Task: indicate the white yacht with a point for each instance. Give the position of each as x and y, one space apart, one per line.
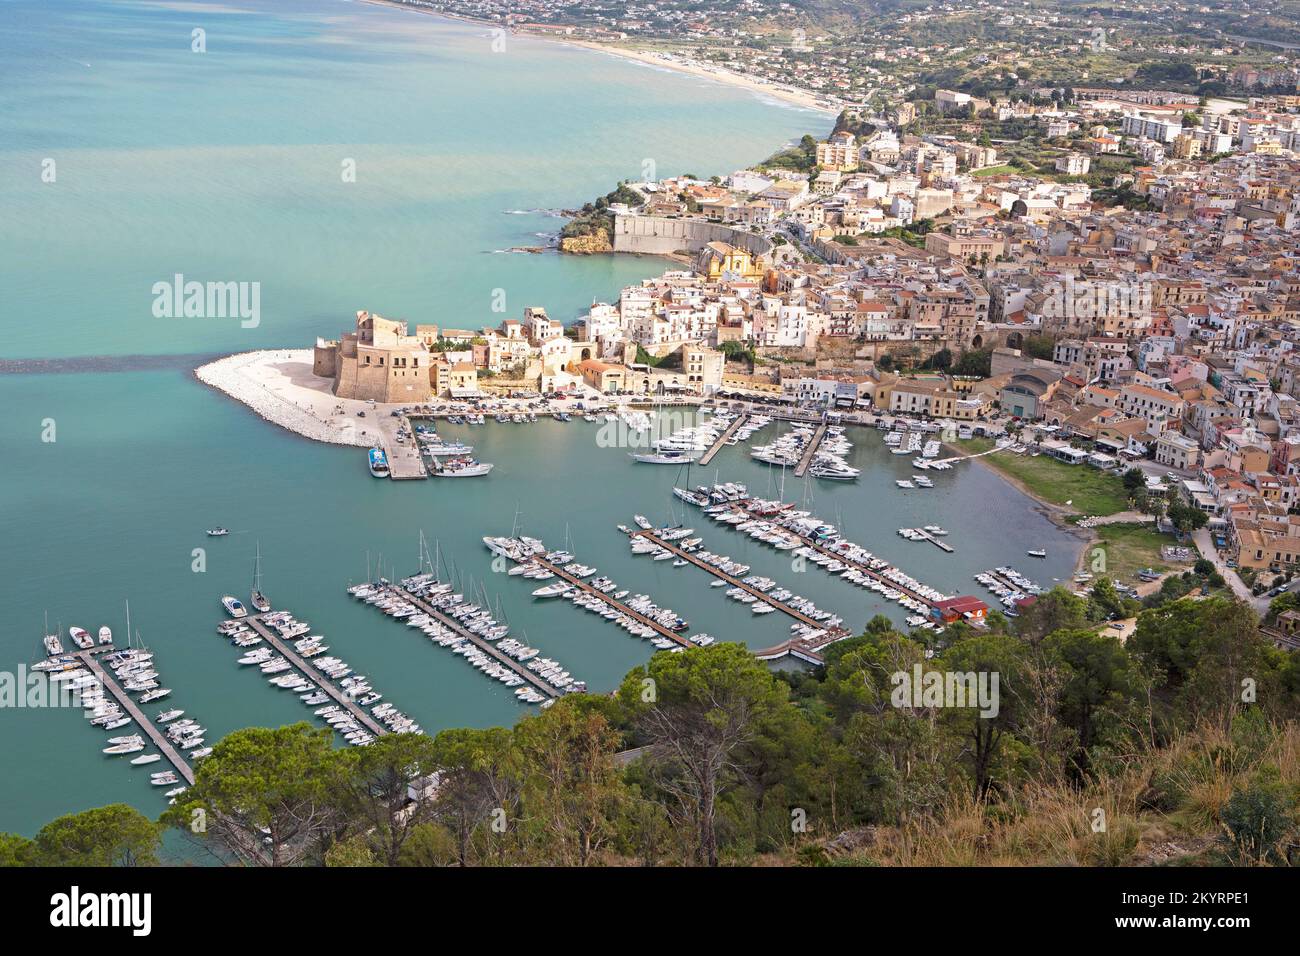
663 457
234 607
552 590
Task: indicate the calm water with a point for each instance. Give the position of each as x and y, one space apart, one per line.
222 165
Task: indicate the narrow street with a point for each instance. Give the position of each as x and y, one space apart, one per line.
1205 545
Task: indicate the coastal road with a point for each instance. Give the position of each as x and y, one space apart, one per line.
1205 545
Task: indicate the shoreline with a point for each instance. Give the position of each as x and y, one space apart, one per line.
786 95
1049 509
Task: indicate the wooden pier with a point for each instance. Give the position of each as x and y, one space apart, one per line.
316 677
781 606
722 439
808 453
505 660
558 571
157 737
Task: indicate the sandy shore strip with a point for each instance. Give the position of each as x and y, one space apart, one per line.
279 386
786 94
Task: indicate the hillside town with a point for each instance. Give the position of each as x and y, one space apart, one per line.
895 278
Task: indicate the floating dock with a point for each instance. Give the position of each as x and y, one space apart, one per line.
923 535
818 546
718 445
315 676
558 571
505 660
156 736
781 606
810 451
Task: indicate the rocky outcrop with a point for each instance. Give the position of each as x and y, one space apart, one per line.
597 241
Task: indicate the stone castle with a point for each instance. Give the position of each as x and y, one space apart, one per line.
379 362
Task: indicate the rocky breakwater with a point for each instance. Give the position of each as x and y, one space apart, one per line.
279 386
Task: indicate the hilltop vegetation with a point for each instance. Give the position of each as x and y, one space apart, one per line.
1177 747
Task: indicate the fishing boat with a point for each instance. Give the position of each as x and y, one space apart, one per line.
234 607
256 597
378 463
461 468
217 532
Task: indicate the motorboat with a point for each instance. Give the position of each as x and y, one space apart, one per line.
378 463
217 532
143 759
105 635
116 750
665 457
81 637
234 607
1036 553
552 590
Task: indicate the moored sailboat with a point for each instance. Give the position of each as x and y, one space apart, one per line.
256 597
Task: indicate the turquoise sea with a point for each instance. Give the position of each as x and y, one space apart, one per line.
225 165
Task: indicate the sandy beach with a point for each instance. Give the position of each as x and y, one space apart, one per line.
785 94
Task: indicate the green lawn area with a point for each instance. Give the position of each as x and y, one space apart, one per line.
996 170
1128 549
1088 491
